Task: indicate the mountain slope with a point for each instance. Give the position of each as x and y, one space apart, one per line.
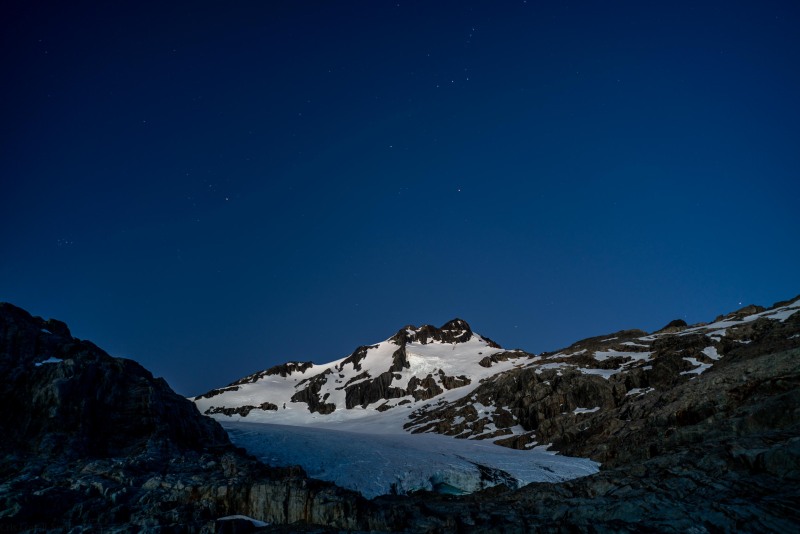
404 371
717 451
452 381
92 442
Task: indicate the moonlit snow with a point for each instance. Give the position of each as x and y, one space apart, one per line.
380 464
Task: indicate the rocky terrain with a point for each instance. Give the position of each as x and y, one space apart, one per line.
697 428
92 443
716 452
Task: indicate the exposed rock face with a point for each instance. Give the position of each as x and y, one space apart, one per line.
59 393
581 398
454 331
93 440
685 446
241 410
369 391
311 394
720 453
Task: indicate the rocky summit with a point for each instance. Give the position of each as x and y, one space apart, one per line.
696 427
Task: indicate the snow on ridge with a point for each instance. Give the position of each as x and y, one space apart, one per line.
437 362
634 356
719 328
432 358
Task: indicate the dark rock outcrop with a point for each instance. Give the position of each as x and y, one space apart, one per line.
453 331
356 357
66 396
241 410
92 443
311 394
369 391
674 326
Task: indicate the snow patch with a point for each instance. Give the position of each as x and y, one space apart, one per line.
556 365
49 360
585 410
636 356
700 369
605 373
638 391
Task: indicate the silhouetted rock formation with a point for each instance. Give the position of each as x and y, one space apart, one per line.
97 442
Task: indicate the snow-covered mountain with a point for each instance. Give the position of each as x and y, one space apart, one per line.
344 421
377 387
579 401
452 381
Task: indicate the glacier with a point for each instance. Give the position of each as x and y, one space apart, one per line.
400 463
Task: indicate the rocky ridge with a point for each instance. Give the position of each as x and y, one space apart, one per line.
454 382
412 366
92 442
719 452
580 398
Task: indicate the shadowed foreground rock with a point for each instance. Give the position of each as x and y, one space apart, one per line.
93 442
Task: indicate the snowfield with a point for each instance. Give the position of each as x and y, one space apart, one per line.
381 464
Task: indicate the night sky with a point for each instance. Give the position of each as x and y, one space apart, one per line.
213 188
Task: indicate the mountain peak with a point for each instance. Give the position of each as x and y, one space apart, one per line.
453 331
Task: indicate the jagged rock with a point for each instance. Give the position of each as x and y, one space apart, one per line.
241 410
453 331
369 391
453 382
741 313
488 361
424 389
673 326
310 395
399 360
355 358
93 440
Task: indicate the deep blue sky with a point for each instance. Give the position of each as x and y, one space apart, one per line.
212 188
